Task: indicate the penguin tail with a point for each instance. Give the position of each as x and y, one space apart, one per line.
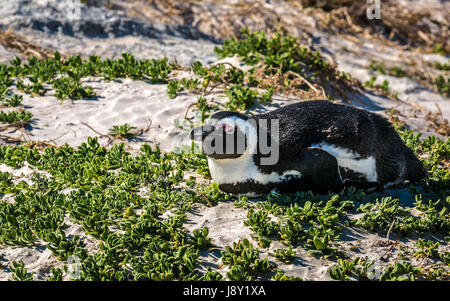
415 169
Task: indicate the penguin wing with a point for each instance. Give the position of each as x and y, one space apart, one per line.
319 169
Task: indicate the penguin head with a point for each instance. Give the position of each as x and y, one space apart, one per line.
225 135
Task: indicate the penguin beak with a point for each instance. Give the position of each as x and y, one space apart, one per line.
201 131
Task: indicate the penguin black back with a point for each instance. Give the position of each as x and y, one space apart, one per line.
319 123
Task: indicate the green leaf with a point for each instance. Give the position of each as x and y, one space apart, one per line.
318 243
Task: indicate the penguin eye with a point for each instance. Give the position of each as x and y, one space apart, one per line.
229 129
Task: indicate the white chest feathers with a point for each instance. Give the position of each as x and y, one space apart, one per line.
243 169
349 159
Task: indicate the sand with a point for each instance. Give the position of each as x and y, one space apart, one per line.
5 55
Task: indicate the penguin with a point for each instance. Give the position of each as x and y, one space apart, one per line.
317 145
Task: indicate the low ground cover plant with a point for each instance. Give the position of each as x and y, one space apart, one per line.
122 131
65 76
134 207
15 117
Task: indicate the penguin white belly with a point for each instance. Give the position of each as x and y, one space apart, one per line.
349 159
243 169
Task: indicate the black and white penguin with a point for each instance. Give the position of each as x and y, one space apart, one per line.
321 147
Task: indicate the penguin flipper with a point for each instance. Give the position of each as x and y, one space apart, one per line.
320 170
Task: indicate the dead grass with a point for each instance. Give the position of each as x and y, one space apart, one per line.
441 124
399 26
436 121
13 41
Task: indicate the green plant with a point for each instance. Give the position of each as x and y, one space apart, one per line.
13 101
401 272
70 87
370 83
19 272
443 67
291 231
56 274
427 248
443 85
204 108
66 76
284 255
242 202
282 61
201 239
439 49
240 97
261 225
281 51
244 261
122 131
384 213
21 117
385 86
397 71
343 269
380 67
106 197
267 96
59 244
173 87
375 66
315 225
445 257
436 274
190 83
280 276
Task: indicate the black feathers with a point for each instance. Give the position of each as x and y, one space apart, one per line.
307 123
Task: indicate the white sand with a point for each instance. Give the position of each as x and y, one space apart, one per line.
6 55
137 102
133 102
